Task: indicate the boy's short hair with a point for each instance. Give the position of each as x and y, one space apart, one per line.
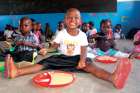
24 18
104 21
91 24
70 10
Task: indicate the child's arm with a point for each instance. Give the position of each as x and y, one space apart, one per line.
28 44
54 45
42 50
83 55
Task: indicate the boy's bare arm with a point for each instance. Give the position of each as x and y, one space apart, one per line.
54 45
83 55
28 44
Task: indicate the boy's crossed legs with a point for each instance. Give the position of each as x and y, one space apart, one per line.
117 78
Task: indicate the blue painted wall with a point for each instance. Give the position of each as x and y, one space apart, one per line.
127 14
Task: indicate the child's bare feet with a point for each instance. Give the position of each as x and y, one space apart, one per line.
81 64
6 64
11 69
121 73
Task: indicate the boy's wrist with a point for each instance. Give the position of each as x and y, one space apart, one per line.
83 59
40 46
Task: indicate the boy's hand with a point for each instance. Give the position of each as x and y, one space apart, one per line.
43 51
81 64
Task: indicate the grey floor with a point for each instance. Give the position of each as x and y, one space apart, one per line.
84 83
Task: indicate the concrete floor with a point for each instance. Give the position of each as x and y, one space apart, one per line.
84 83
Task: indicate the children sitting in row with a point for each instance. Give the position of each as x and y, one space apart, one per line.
73 45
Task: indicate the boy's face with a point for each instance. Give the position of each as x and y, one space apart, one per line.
34 27
61 26
38 26
72 19
105 27
26 26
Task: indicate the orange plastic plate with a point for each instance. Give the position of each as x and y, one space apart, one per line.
106 59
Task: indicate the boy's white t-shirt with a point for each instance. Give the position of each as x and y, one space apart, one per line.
71 45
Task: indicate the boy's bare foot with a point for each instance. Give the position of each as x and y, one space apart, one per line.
13 69
81 65
10 69
6 64
121 73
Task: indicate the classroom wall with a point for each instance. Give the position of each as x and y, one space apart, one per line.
127 14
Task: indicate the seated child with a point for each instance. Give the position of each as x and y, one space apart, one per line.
106 29
73 45
105 44
117 31
105 47
36 31
25 43
137 42
8 33
136 50
91 32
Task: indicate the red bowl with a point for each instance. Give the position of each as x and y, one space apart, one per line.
106 59
42 79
